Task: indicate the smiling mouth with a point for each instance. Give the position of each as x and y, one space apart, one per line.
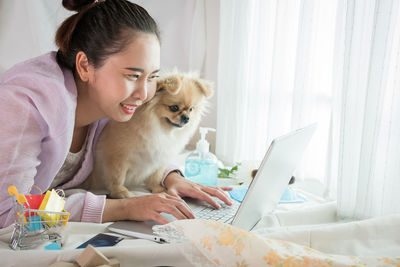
128 108
174 124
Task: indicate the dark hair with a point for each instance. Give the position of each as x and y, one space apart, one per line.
100 29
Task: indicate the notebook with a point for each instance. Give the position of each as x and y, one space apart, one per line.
263 194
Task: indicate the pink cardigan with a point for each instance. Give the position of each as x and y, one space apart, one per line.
38 101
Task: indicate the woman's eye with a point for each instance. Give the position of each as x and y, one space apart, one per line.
153 77
174 108
133 76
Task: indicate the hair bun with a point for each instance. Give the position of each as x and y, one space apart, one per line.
76 5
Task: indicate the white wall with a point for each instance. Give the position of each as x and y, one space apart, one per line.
27 29
211 63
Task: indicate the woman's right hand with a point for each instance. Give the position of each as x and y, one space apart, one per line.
147 207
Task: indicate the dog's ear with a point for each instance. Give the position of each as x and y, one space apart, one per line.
171 84
206 87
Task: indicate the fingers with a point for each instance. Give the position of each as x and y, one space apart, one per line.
175 206
149 207
159 218
202 192
206 196
190 189
226 188
179 208
219 192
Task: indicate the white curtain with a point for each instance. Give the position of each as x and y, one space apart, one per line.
286 63
367 119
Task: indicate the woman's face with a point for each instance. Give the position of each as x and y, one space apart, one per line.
126 79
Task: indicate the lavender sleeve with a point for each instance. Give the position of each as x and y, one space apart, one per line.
19 146
170 168
85 206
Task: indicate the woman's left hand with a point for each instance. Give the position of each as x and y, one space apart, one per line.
179 186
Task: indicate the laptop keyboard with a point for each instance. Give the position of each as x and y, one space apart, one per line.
225 214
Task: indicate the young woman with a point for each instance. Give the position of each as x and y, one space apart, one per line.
55 106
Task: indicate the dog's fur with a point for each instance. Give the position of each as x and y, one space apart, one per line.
130 153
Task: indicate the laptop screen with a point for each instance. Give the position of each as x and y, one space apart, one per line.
272 178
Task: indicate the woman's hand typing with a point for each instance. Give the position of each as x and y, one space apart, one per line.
180 187
147 207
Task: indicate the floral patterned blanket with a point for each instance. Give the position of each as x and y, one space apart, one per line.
217 244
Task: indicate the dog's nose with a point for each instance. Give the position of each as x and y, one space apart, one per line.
184 118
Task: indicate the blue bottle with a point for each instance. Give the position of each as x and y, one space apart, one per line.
201 166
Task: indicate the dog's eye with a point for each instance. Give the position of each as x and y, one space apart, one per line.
191 109
174 108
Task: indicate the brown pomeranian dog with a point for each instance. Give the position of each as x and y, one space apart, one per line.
136 152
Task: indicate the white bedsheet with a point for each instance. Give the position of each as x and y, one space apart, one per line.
375 237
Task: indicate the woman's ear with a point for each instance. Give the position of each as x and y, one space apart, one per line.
171 84
206 87
82 66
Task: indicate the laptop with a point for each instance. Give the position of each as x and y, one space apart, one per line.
263 195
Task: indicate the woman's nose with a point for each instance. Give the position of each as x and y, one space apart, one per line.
140 91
